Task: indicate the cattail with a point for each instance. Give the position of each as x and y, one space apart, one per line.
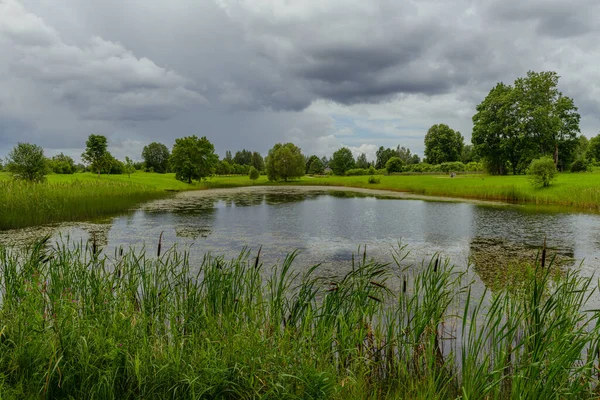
159 244
257 258
544 254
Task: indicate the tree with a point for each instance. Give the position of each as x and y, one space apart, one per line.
382 156
593 149
325 161
309 161
362 162
228 157
62 164
285 161
406 156
223 168
316 167
193 158
156 156
515 124
342 161
257 161
394 164
27 162
243 157
542 171
443 144
129 168
95 152
253 174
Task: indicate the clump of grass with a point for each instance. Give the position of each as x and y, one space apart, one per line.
28 204
79 324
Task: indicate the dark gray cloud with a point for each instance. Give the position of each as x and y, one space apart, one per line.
249 73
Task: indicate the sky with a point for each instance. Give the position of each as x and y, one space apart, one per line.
251 73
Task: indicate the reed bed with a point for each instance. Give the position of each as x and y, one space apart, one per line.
75 323
29 204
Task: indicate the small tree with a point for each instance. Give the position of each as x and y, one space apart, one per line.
253 174
542 171
96 153
26 161
316 167
285 161
156 156
394 164
129 168
342 161
193 158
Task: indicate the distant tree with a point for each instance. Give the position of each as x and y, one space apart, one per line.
362 162
325 161
394 164
27 162
406 156
443 144
193 158
309 161
112 165
129 168
253 174
62 164
95 152
468 154
542 171
257 161
316 166
342 161
581 148
243 157
382 156
156 156
593 149
285 161
223 168
228 157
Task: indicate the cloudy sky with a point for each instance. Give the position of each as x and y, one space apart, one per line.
250 73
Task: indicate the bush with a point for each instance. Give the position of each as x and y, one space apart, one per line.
579 165
454 166
357 172
253 174
542 171
27 162
474 167
372 179
394 164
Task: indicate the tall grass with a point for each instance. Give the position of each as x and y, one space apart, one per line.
78 324
28 204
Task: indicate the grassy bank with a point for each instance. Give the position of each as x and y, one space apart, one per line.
76 325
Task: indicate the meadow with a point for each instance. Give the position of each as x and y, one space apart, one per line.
76 323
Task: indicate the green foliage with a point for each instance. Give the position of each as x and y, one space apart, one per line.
316 166
62 164
406 156
579 165
257 161
455 166
27 162
223 168
285 161
193 158
128 167
358 172
394 164
243 157
593 149
542 171
95 154
362 162
253 174
341 161
443 144
515 124
382 156
474 167
156 156
373 180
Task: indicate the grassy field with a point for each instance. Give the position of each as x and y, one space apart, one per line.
83 196
75 324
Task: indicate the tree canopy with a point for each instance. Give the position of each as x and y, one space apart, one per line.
257 161
516 124
443 144
285 161
96 152
156 156
342 161
382 156
193 158
27 162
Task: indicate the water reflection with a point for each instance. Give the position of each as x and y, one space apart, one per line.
327 226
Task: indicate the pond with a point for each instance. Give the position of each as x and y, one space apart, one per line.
327 226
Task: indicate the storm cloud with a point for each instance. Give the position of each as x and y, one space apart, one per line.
250 73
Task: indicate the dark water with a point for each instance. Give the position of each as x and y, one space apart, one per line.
328 227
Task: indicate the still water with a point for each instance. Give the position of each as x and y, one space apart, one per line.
327 226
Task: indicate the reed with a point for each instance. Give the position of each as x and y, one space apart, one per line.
77 323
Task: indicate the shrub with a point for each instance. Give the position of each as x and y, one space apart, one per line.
542 171
474 167
394 164
372 179
27 162
253 174
579 165
454 166
357 172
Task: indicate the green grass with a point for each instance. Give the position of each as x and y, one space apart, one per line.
76 324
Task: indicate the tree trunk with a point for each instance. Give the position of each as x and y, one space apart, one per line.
556 155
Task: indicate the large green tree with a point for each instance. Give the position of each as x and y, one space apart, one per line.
443 144
243 157
285 161
341 161
62 164
27 162
156 156
96 152
258 161
383 155
193 158
516 124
